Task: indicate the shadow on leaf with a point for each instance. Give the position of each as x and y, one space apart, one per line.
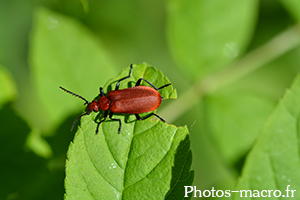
181 174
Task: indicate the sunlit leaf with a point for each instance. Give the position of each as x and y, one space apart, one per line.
65 53
85 5
293 7
136 164
233 119
206 35
7 86
274 162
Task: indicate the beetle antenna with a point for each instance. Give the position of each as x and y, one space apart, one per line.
87 113
86 101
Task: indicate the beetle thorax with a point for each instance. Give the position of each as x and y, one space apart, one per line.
104 103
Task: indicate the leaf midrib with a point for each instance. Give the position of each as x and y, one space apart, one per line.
165 154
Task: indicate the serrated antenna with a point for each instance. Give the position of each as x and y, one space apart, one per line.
86 101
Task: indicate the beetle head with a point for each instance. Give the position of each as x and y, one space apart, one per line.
93 106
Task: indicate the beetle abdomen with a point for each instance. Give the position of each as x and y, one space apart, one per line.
135 100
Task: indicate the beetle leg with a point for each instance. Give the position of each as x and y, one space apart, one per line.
101 92
105 116
164 86
120 123
142 79
118 83
146 117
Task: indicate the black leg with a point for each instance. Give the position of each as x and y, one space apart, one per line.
104 118
120 123
101 92
118 83
146 117
142 79
164 86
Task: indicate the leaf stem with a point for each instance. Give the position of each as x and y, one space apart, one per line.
276 47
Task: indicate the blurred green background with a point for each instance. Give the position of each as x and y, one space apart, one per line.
230 62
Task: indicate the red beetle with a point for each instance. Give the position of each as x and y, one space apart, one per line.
134 100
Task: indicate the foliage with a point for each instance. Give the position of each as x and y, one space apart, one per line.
119 166
230 61
274 162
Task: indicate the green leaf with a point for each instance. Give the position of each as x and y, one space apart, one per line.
274 163
181 175
206 35
7 86
234 115
85 5
136 164
233 120
65 53
293 7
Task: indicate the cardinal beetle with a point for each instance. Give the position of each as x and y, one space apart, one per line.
134 100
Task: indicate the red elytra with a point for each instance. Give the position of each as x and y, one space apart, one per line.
134 100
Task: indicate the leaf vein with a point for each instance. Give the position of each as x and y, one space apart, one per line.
90 158
111 151
82 176
129 149
273 169
155 165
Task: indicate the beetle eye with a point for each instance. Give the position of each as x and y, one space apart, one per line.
94 109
